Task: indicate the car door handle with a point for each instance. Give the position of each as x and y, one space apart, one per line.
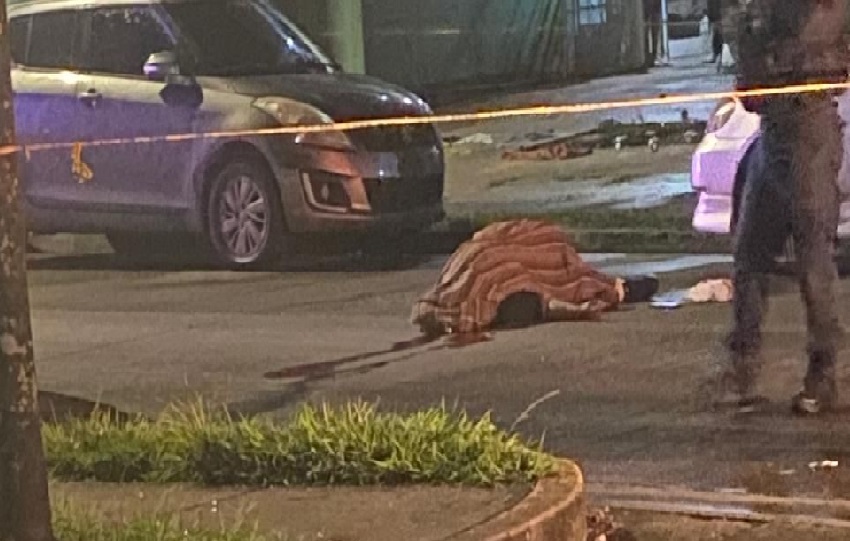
90 97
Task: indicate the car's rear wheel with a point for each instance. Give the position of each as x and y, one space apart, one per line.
245 225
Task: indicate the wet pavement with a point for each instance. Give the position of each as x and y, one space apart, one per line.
553 196
623 394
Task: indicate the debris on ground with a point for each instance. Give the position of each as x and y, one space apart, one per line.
547 150
608 134
475 139
601 526
823 465
670 300
718 290
715 290
465 145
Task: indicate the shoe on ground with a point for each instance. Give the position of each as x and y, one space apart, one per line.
725 395
740 404
807 403
639 288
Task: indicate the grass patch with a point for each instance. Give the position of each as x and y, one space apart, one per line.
675 215
351 445
663 229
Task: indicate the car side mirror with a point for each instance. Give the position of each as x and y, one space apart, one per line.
159 66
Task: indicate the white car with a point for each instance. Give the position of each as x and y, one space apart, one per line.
730 132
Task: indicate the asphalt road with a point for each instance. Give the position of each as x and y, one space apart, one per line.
621 394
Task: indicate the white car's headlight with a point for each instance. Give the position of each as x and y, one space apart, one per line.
426 109
721 115
293 113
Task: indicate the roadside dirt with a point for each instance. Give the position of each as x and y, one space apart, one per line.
476 169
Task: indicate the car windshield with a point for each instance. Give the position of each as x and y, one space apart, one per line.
244 37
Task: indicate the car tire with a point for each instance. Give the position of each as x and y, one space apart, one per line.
244 219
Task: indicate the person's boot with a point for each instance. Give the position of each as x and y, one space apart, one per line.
820 391
736 385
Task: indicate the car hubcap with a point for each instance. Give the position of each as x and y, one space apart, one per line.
243 216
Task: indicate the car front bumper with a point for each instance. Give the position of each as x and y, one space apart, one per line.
714 166
713 213
363 191
713 169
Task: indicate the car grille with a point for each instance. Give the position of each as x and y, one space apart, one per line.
394 138
403 194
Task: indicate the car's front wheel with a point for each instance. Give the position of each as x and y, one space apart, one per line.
245 225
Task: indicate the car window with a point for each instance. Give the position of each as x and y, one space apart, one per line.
241 37
52 40
121 40
19 29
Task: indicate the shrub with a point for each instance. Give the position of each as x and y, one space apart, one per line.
352 445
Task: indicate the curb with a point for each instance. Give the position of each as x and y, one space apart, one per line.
661 242
555 510
66 244
446 242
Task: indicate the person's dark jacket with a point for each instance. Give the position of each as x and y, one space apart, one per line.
782 42
652 10
714 11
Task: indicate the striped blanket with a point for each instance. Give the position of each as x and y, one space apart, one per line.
506 258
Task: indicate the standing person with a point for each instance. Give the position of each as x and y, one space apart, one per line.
791 188
715 19
731 12
652 18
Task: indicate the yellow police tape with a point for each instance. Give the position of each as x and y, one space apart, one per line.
542 110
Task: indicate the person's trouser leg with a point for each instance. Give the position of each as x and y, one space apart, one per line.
762 227
657 47
716 43
816 216
650 49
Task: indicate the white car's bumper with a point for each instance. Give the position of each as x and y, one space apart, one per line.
715 162
713 169
713 214
714 166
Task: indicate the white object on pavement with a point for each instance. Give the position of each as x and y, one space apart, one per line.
476 139
711 291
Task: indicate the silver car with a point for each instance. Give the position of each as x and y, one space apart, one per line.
90 70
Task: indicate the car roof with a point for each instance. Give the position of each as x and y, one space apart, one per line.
30 7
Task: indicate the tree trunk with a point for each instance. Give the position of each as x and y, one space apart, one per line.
24 499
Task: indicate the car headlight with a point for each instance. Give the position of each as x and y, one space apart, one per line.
293 113
423 105
721 115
